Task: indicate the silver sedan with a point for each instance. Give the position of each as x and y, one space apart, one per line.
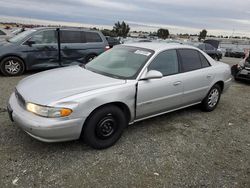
124 85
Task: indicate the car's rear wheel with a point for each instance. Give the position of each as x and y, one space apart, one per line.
12 66
212 99
104 127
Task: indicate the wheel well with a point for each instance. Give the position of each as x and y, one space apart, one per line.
221 84
10 55
120 105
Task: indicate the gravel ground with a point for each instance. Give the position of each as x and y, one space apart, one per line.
187 148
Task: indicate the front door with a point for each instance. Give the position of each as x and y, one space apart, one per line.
42 50
159 95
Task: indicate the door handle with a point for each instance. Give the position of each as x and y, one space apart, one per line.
209 76
177 83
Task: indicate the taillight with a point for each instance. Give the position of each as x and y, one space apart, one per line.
107 48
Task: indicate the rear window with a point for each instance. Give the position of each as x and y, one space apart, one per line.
209 47
92 37
204 61
68 36
190 60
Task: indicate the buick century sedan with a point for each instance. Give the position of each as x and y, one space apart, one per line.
124 85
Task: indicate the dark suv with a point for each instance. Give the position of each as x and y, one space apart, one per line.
41 48
210 50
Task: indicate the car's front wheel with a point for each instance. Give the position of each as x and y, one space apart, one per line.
12 66
104 127
212 99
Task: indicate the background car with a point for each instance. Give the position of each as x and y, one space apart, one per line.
210 50
243 72
112 41
41 48
235 52
124 85
5 34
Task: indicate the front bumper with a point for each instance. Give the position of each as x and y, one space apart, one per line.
44 129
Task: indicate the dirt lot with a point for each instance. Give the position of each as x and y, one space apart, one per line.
187 148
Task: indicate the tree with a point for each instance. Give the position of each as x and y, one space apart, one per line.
107 32
203 34
121 29
163 33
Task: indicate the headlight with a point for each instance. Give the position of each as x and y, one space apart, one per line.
45 111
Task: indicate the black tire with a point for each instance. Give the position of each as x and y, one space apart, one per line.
90 57
12 66
212 99
104 127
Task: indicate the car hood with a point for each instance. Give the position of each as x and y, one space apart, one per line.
53 85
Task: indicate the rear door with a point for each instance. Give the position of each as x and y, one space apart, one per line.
43 52
78 45
73 46
159 95
197 75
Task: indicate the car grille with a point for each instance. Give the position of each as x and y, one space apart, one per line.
20 99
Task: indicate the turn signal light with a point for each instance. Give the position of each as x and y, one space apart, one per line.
65 112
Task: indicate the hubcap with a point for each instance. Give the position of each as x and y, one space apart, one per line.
12 67
106 127
213 98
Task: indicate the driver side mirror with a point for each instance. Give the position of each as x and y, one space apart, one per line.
152 74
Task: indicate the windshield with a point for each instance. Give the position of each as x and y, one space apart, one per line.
122 62
21 36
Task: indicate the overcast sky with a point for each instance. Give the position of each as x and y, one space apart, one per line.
217 16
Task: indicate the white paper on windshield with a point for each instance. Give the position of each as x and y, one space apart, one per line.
141 52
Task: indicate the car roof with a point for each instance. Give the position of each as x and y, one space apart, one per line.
158 47
66 28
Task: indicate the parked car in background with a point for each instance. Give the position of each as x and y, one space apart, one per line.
243 72
112 41
144 40
18 31
5 34
235 52
124 85
210 50
41 48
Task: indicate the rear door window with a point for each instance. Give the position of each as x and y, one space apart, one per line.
92 37
190 60
204 61
68 36
209 47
